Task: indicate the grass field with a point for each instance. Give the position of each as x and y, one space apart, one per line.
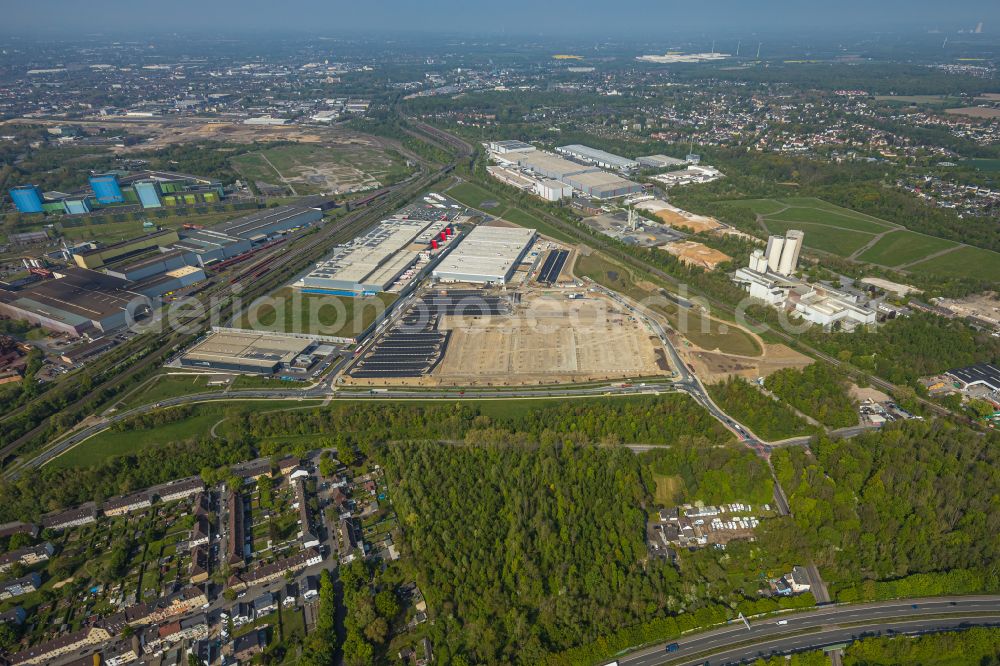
112 443
843 232
902 247
705 332
167 386
829 239
669 489
289 310
971 262
918 99
829 217
983 164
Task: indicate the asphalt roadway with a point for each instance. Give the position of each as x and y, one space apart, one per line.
818 628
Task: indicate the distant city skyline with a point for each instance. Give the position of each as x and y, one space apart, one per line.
515 17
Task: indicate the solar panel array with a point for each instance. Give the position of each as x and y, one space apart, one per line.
415 346
553 266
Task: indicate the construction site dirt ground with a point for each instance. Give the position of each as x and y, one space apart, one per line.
549 339
712 367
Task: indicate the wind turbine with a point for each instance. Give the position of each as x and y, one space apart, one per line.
759 44
738 45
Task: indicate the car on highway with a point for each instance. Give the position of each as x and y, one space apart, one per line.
782 622
673 647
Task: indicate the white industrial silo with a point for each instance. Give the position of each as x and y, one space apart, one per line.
774 246
790 252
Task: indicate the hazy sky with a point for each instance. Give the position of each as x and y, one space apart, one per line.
589 17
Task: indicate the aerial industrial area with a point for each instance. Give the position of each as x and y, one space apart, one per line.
363 350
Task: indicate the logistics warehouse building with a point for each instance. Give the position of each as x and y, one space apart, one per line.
488 255
373 262
245 352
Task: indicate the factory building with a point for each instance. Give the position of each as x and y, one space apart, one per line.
27 199
552 166
247 352
487 255
210 246
603 159
153 263
372 263
96 258
769 278
75 301
148 192
106 189
659 161
509 146
986 375
169 281
602 185
262 225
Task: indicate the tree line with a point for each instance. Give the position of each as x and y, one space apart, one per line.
917 497
766 417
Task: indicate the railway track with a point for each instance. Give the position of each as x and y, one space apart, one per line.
300 253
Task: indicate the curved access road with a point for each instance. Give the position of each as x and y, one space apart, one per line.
818 628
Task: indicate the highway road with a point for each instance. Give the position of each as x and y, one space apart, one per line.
823 626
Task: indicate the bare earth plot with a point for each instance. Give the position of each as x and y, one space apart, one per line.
350 165
550 338
713 367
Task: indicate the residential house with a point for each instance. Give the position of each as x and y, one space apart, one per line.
252 470
15 615
18 586
272 572
27 556
17 527
176 490
44 653
198 571
289 464
264 604
81 515
310 588
247 645
122 653
291 593
119 506
799 580
200 531
242 614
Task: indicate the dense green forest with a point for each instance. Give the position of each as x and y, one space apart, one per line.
714 476
664 419
768 418
532 555
903 350
532 550
819 390
917 497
